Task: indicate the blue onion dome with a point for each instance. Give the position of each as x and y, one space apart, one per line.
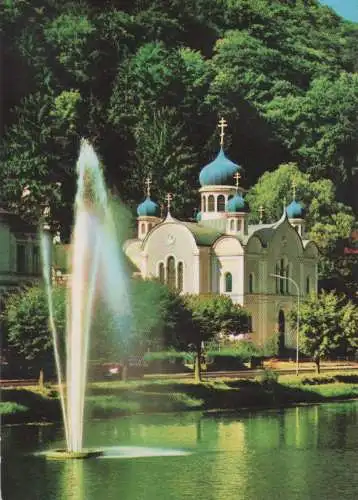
148 208
295 210
219 172
198 217
237 204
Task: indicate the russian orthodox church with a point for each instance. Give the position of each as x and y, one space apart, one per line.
261 266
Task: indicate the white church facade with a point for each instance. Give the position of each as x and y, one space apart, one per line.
222 253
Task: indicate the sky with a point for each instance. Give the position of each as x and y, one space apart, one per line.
345 8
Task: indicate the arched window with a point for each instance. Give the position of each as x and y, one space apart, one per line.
251 283
161 273
211 203
149 227
228 282
180 276
232 225
238 225
142 228
171 278
220 203
308 285
204 203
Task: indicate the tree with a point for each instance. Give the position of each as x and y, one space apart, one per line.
28 331
328 325
211 315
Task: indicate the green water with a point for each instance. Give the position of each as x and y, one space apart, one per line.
299 453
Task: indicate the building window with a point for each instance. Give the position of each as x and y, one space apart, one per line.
171 274
161 273
228 282
251 283
211 203
149 227
307 285
36 260
180 276
142 228
238 225
232 225
220 203
203 203
20 258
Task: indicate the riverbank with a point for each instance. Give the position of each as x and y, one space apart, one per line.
109 399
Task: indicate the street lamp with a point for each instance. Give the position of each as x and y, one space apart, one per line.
298 312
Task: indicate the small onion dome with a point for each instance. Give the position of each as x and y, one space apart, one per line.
295 210
237 204
219 172
148 208
198 217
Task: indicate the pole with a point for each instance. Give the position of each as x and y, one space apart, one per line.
298 314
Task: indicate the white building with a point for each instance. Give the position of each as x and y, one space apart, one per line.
222 253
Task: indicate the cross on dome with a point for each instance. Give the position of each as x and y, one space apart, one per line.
222 125
261 212
294 185
237 178
148 182
168 199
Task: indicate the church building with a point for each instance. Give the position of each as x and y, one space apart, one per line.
262 267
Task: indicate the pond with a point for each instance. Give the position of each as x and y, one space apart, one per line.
308 452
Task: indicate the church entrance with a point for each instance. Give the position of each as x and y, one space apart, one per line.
281 332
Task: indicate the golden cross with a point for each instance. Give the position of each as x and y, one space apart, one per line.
148 182
222 125
294 185
261 211
169 198
237 177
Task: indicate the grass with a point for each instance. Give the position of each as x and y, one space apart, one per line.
114 398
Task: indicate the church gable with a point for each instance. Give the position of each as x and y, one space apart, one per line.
228 245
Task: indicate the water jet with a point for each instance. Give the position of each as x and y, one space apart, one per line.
96 254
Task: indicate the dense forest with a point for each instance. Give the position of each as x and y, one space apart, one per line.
146 80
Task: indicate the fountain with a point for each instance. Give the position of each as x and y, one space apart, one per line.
95 253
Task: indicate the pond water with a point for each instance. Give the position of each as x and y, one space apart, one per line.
298 453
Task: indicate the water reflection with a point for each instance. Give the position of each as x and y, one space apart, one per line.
304 452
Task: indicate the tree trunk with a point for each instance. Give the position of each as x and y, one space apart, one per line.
318 366
41 379
197 373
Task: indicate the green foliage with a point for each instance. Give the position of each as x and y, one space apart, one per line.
328 325
268 377
27 319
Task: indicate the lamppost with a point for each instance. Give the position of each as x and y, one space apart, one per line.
298 312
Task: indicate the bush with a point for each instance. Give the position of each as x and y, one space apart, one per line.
225 360
268 377
167 361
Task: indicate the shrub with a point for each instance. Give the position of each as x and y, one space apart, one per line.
167 361
268 377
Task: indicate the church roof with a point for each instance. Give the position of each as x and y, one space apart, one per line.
295 210
148 208
219 172
204 235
